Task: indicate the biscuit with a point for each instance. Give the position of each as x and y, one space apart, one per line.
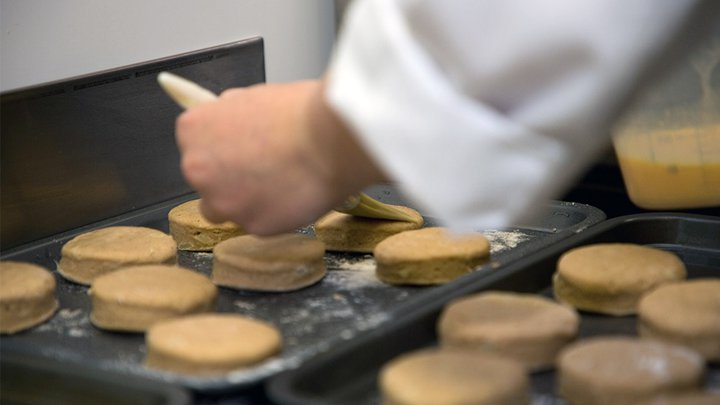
27 296
528 328
192 232
134 298
348 233
210 344
451 376
685 313
429 256
611 278
614 370
95 253
277 263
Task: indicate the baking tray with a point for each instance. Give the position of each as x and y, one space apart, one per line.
38 381
347 303
348 374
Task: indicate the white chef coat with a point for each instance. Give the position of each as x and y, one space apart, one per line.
482 110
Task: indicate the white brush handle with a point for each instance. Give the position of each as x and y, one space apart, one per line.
184 92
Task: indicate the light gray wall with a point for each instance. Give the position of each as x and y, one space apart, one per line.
48 40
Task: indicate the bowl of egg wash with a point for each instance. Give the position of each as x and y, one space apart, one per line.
668 146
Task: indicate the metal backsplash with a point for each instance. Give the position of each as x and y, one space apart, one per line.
89 148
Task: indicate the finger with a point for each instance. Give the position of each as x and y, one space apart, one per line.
210 213
194 127
232 93
199 169
185 127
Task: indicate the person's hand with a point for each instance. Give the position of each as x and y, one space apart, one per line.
271 158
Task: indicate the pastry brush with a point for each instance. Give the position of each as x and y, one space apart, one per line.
188 94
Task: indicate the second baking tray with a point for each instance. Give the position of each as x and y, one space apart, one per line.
348 374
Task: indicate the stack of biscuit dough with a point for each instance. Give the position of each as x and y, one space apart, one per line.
347 233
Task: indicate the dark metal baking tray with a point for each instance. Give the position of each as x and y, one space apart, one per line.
348 374
347 303
39 381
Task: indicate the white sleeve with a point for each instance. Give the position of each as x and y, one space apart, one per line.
482 110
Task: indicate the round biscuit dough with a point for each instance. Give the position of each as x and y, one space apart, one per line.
95 253
210 344
453 377
610 278
696 398
526 327
192 232
611 370
283 262
348 233
429 256
685 313
27 296
134 298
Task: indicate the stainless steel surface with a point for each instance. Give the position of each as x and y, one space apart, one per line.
85 149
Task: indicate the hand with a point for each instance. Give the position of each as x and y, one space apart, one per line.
271 158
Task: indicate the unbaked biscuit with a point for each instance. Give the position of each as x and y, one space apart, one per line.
452 377
210 344
429 256
610 278
27 296
625 370
349 233
193 232
696 398
92 254
526 327
276 263
134 298
686 313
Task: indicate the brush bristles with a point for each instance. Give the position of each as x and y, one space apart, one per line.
363 205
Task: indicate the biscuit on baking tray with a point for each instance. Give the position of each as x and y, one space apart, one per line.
193 232
686 313
429 256
283 262
610 278
133 298
695 398
210 344
452 376
610 370
349 233
92 254
27 296
526 327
